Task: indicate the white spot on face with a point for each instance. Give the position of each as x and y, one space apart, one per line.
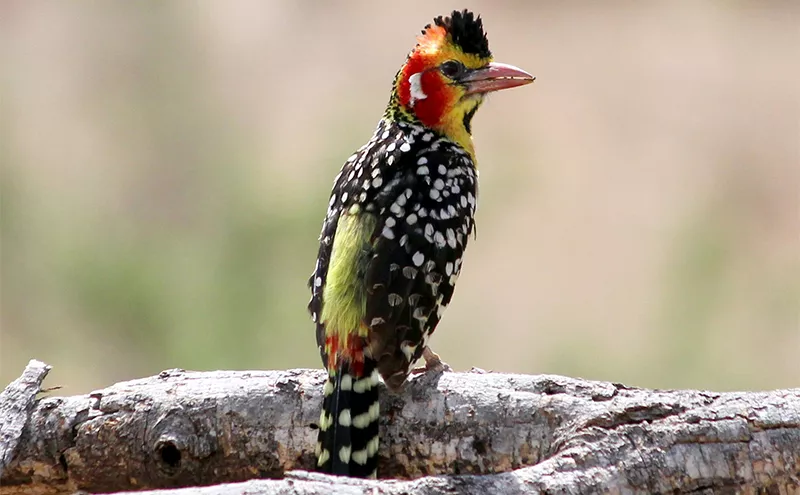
344 197
401 200
448 268
411 219
396 209
390 148
377 181
438 238
418 258
318 281
423 213
442 169
390 160
385 135
438 184
410 272
435 194
388 233
463 202
390 222
395 299
359 456
405 147
362 197
415 83
428 230
422 160
427 136
422 170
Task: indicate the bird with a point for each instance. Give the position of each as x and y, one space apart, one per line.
399 216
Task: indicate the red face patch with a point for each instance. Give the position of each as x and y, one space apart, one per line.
421 70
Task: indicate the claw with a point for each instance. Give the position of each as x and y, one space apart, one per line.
433 363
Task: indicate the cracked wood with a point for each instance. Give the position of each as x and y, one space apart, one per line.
524 433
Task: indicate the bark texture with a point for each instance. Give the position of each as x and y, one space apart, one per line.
446 433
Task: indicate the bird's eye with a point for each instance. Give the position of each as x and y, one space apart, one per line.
452 68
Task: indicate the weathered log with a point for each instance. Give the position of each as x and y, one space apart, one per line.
454 432
16 403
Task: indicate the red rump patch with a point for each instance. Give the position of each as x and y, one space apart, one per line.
352 352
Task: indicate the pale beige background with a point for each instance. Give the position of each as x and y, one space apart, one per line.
166 166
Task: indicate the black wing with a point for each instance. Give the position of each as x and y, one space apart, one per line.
424 222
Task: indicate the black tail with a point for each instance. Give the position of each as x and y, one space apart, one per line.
348 425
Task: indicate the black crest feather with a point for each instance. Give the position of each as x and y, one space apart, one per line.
466 30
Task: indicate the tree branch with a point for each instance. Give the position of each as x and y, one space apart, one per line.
16 403
488 432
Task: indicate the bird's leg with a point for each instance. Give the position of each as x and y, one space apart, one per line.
432 363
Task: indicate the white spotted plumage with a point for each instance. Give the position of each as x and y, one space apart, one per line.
419 188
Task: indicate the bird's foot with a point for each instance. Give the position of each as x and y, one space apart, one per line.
433 363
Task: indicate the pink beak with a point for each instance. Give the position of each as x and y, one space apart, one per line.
494 77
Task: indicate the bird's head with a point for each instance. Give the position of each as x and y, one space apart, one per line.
448 74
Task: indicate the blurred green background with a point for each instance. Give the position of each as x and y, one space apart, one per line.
166 167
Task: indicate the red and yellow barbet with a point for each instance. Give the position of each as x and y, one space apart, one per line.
399 217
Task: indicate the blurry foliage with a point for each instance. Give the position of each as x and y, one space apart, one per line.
189 241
